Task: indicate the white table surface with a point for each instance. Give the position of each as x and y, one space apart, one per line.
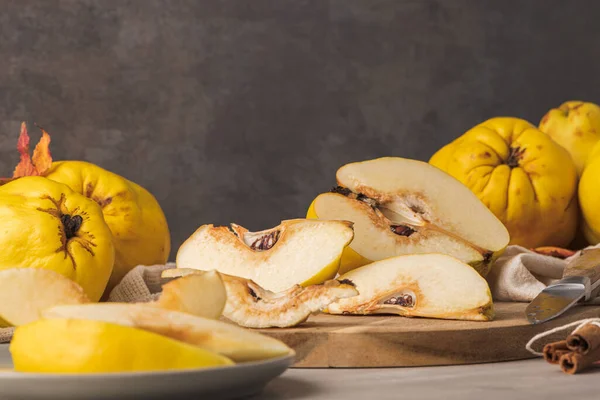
528 380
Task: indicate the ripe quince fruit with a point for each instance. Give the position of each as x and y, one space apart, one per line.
47 225
139 226
526 179
575 125
589 197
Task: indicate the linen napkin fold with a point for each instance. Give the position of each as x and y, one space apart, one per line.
140 285
6 334
518 275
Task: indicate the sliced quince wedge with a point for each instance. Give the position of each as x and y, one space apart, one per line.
231 341
87 346
420 285
25 292
297 251
252 306
202 294
402 206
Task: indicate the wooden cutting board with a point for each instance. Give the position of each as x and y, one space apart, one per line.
338 341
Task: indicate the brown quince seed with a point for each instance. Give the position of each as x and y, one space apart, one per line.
402 230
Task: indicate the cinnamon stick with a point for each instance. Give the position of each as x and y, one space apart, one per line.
586 340
584 349
553 351
572 363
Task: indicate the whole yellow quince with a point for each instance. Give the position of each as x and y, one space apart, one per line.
589 197
575 125
60 345
139 226
47 225
526 179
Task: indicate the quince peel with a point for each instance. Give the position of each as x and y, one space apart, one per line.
31 165
552 251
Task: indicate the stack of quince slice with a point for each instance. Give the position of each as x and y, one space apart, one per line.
59 330
411 240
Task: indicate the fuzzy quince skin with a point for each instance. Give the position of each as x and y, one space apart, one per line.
136 220
589 200
525 178
47 225
575 125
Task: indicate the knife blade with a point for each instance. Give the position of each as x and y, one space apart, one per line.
579 284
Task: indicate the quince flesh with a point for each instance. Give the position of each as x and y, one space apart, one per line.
418 285
26 292
526 179
575 125
297 251
88 346
47 225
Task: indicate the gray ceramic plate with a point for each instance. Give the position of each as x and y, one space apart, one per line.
211 383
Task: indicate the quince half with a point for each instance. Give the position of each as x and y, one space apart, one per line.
402 206
525 178
47 225
575 125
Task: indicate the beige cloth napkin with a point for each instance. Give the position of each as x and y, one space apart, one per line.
141 284
518 275
6 334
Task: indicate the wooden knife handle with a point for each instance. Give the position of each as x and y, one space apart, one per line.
586 264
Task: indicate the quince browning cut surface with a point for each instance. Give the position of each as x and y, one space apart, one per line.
297 251
420 285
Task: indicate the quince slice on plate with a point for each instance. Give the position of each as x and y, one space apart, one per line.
87 346
226 339
25 292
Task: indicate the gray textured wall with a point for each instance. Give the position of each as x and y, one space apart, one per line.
242 111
